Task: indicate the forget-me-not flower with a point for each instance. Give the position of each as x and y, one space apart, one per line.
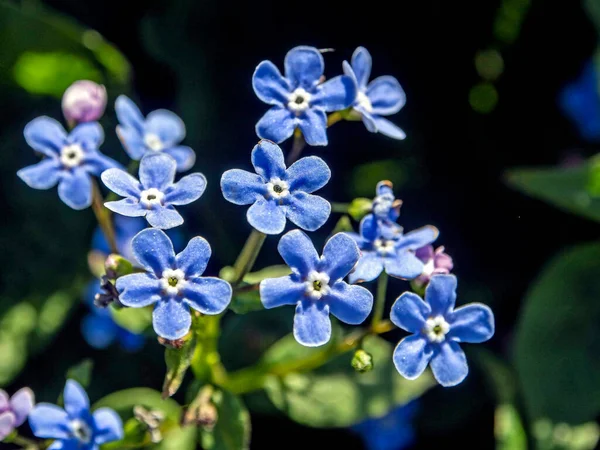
381 97
75 427
394 431
300 99
14 410
277 193
386 209
70 159
438 329
316 287
172 283
156 194
160 131
394 253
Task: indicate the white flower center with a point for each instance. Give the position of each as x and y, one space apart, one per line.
278 188
153 142
364 102
299 100
71 155
436 329
385 247
151 197
81 431
172 281
317 284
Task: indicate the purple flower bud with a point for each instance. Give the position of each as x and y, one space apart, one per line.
84 101
435 262
15 410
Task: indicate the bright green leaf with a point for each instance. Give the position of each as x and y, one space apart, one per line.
232 430
508 428
178 361
360 207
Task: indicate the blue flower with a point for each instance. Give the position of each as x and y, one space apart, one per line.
382 97
70 160
161 131
437 330
316 287
394 431
385 206
156 194
75 427
277 193
172 282
394 253
300 99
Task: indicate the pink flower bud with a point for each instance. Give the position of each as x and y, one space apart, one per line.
84 101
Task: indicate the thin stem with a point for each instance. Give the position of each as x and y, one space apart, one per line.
24 442
341 208
382 283
248 255
334 118
103 217
297 147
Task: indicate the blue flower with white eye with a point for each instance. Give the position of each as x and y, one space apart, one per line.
160 131
172 283
394 253
437 330
70 159
75 427
394 431
156 194
277 193
300 99
381 97
316 287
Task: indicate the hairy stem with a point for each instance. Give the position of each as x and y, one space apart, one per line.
103 216
248 255
382 283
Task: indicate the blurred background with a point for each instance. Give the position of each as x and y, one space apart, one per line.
491 86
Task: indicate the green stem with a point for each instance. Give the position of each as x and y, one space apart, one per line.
24 442
103 217
248 255
334 118
382 282
341 208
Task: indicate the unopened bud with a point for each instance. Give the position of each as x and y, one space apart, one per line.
84 101
108 293
116 266
362 361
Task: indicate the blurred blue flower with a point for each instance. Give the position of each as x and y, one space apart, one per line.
161 131
300 99
156 194
381 97
75 427
277 193
394 253
172 282
316 287
438 329
394 431
70 160
386 208
125 229
14 410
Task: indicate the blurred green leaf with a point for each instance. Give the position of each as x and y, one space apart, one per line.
178 361
267 272
232 430
508 428
343 225
136 320
244 302
360 207
82 372
366 176
562 436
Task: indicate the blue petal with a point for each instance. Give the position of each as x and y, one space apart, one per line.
99 330
335 94
386 95
164 217
109 426
70 444
49 421
308 174
190 188
403 265
184 156
441 294
127 207
130 342
473 323
369 228
171 318
351 304
298 252
167 125
309 212
96 163
267 159
138 290
132 141
276 125
384 188
313 124
45 135
349 72
88 135
153 250
410 312
77 403
157 170
266 216
411 356
269 86
121 183
386 127
367 119
368 268
361 65
280 291
42 175
194 257
418 238
312 326
449 364
340 255
207 295
129 114
242 187
75 189
304 66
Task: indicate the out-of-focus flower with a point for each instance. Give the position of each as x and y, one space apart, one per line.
84 101
394 431
14 410
434 262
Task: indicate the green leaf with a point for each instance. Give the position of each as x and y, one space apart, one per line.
244 302
82 372
136 320
232 430
178 361
557 338
360 207
267 272
343 225
508 428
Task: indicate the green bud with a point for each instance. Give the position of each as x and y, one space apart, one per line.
227 273
360 207
362 361
342 225
117 265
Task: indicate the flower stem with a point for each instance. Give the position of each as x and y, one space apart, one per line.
103 217
382 283
297 147
24 443
341 208
248 255
334 118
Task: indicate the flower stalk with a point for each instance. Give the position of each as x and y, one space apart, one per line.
103 216
248 256
382 283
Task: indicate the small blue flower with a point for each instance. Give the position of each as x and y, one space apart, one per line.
300 99
382 97
394 431
75 427
277 193
161 131
316 287
172 282
385 206
394 253
156 194
438 329
70 160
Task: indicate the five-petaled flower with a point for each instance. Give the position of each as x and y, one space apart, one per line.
276 192
316 287
75 427
435 262
394 253
437 330
381 97
155 195
160 131
300 99
70 160
172 282
14 410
